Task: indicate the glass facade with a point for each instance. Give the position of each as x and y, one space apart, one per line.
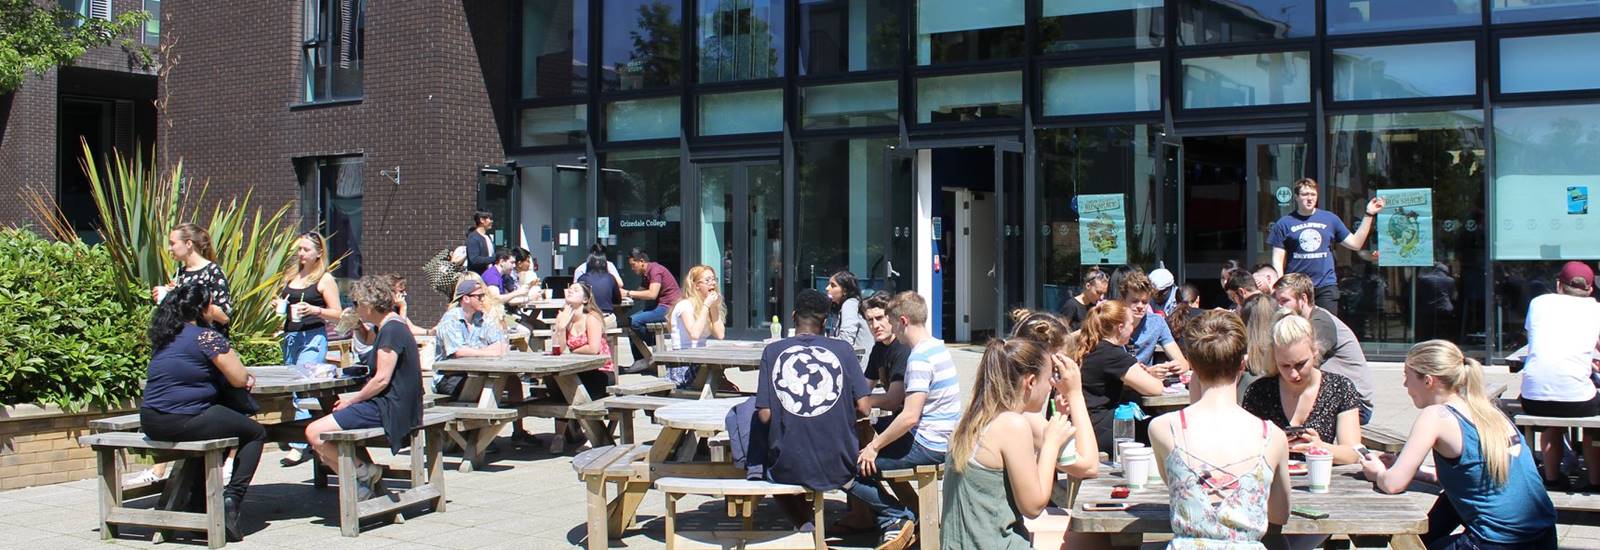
784 140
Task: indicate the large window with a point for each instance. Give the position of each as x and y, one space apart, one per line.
555 48
1246 80
741 113
1547 161
1548 63
639 200
1393 302
1412 70
955 31
1118 88
1101 160
969 97
850 105
838 36
1513 11
553 126
643 119
844 214
740 39
643 44
1358 16
1069 25
331 192
1221 21
331 55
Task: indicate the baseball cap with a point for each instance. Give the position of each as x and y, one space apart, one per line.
465 287
1577 270
1161 278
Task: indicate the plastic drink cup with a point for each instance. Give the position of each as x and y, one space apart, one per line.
161 293
1069 453
1120 446
555 347
281 307
1137 463
294 315
1319 468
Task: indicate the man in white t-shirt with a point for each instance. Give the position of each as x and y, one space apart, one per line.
928 414
1563 333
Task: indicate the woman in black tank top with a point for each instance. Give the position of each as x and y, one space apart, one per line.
307 309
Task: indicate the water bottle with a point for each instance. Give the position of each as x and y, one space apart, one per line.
1122 430
777 328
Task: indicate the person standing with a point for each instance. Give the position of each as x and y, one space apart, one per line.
845 323
190 245
1075 309
480 245
1308 234
309 299
1563 329
660 286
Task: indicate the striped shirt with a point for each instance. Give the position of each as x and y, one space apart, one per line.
931 370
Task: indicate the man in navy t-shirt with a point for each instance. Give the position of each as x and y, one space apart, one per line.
810 392
1308 235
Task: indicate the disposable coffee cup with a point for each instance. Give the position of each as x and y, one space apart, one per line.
1319 469
1137 464
281 307
1122 447
161 294
294 315
1069 453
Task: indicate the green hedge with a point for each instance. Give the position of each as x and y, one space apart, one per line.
66 338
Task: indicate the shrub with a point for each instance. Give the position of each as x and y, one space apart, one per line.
259 350
67 336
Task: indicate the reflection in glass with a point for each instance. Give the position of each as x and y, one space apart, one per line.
953 31
1389 308
642 44
1120 88
765 267
969 97
643 119
564 125
850 105
740 39
1092 160
1223 21
716 223
1412 70
741 113
1516 11
1546 63
1542 153
1353 16
639 193
1247 79
841 194
1068 25
838 36
555 48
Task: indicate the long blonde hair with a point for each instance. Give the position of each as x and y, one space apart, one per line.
1288 330
1464 377
998 389
318 268
691 292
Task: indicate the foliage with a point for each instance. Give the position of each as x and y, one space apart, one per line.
69 338
139 204
38 37
259 350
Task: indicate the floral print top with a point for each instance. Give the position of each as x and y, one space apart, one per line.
211 278
1212 507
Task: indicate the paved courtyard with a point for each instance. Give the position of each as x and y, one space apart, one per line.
527 498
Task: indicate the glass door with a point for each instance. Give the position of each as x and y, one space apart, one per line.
899 271
741 236
1010 272
1272 165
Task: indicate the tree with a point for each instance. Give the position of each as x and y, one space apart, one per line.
35 38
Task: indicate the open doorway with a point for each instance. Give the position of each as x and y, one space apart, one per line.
977 197
1233 188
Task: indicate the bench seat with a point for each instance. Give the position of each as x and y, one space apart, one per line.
473 428
920 487
649 385
741 495
123 423
167 515
427 472
605 464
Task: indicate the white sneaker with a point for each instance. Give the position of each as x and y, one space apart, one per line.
144 478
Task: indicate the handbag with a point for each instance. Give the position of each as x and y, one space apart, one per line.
442 273
238 399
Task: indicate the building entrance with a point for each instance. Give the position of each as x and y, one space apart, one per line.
977 197
1232 189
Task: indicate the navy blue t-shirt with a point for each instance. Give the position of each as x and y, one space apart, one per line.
1308 244
811 384
181 378
606 293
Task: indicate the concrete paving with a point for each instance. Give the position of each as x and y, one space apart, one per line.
526 498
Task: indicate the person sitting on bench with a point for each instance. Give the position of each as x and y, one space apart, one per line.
1563 328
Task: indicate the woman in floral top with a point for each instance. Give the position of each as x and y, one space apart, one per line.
190 245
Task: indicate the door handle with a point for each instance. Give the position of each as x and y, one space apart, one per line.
891 272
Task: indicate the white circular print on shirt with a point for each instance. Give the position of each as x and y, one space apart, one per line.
1310 240
807 379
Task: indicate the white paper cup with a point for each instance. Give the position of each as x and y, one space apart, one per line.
161 294
1122 447
1069 453
1319 469
282 308
1137 464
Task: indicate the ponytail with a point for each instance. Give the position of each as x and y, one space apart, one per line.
1105 320
1464 376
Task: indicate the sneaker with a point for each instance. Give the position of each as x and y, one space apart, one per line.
370 478
899 539
144 478
294 457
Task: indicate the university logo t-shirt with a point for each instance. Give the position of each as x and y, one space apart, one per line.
1307 242
811 383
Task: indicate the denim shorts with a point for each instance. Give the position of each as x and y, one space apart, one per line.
358 416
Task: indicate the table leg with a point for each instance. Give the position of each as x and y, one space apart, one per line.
928 513
319 471
622 509
599 535
1407 542
593 429
702 381
666 441
473 388
472 452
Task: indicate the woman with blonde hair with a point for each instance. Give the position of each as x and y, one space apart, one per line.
1491 485
1314 408
1108 368
1051 330
309 299
190 245
699 316
1000 469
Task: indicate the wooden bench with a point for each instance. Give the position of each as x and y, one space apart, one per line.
166 517
1381 439
648 385
621 407
741 496
919 488
1533 427
473 429
427 472
599 466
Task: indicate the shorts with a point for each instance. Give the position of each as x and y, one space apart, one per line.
1562 409
359 416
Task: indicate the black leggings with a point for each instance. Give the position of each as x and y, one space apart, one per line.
216 422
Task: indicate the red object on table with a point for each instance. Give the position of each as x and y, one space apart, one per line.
1120 491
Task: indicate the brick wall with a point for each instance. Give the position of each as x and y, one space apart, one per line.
236 118
40 447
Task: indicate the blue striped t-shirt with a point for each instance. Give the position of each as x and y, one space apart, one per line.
931 370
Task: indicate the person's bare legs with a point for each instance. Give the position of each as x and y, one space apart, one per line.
1591 456
326 451
1551 446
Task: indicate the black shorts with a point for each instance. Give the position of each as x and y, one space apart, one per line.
1562 409
358 416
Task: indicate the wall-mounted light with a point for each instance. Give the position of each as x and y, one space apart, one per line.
392 174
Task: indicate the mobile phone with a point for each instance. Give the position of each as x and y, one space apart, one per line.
1294 431
1364 451
1106 506
1308 513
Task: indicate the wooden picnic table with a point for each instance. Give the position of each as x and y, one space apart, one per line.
1167 402
276 388
559 371
713 359
683 425
1354 508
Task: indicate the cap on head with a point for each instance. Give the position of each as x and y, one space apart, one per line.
465 287
1577 273
1162 279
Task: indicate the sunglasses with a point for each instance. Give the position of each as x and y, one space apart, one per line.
478 295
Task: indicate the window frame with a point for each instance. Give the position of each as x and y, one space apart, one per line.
320 46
